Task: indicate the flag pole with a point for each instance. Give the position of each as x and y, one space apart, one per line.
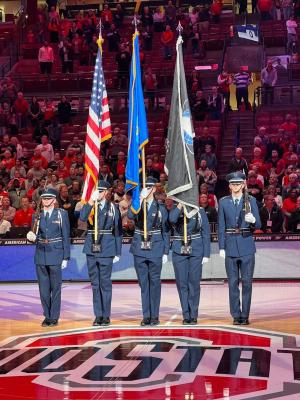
143 163
96 205
185 241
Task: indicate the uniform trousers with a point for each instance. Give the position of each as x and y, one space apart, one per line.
240 268
148 273
188 273
100 270
50 280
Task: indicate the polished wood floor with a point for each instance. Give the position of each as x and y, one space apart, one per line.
275 307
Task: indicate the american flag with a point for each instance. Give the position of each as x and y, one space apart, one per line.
98 128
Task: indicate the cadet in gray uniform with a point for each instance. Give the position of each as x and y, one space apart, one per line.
101 255
188 260
52 252
238 217
149 255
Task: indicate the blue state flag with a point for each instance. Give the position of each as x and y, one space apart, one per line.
137 127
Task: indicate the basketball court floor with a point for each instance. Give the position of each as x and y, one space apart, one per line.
213 360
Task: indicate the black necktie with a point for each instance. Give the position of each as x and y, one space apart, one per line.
47 217
236 203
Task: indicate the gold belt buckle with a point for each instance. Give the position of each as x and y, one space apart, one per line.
46 241
237 230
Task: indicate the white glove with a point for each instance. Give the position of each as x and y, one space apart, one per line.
205 260
222 253
64 264
144 193
164 258
116 259
250 218
95 195
31 236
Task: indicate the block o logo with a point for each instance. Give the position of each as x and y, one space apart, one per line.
163 364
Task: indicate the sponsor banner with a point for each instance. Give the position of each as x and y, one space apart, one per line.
127 240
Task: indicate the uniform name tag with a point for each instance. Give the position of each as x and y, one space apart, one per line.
56 222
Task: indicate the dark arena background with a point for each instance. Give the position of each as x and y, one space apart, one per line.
241 68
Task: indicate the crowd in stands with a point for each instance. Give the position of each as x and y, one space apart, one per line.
273 174
76 40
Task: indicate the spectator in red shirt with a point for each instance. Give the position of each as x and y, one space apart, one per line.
53 14
258 160
289 204
224 81
216 9
260 178
49 112
3 192
212 200
62 172
35 185
150 84
121 164
53 28
21 108
23 216
289 127
30 37
166 39
106 16
275 164
287 156
8 161
157 164
70 158
285 180
37 156
265 7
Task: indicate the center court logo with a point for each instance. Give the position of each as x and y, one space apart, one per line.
160 363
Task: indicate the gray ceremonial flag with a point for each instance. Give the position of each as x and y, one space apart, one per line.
180 161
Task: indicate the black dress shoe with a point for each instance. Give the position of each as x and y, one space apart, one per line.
145 321
53 322
186 321
154 321
46 322
194 321
237 321
97 321
105 322
245 321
